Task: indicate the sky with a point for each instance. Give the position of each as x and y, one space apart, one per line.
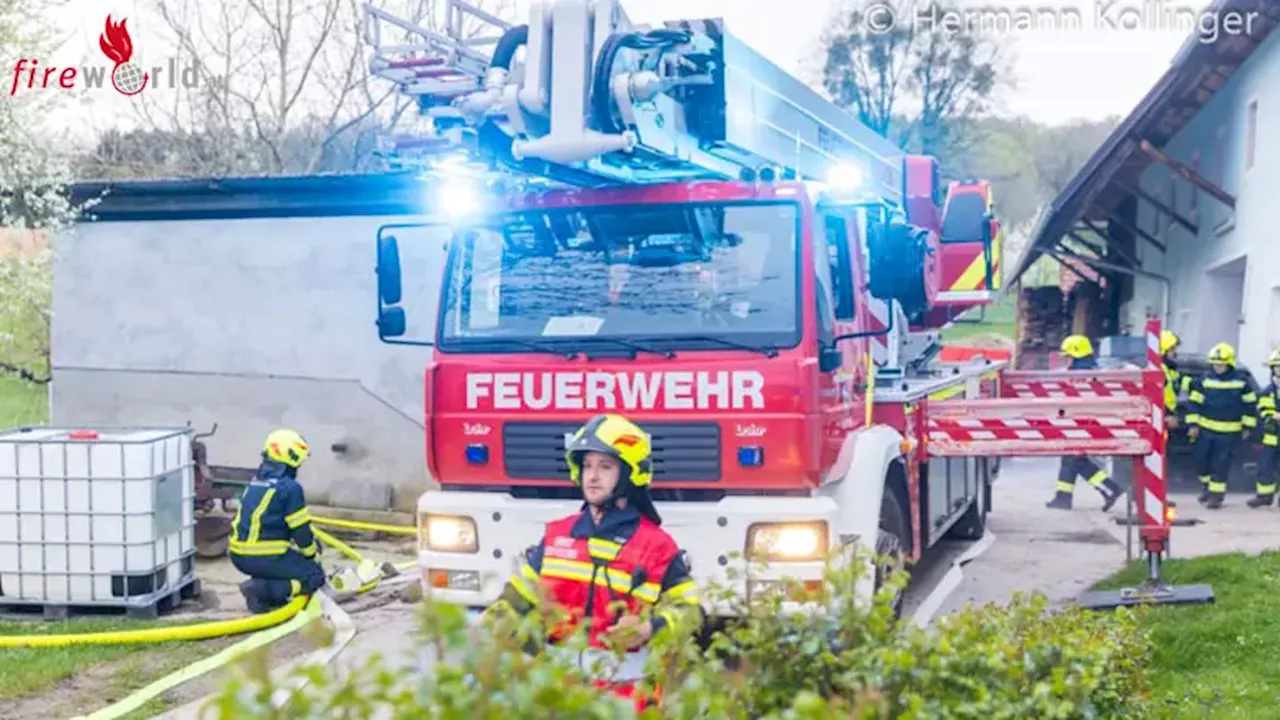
1063 71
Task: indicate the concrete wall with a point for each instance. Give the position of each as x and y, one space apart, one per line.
253 324
1225 283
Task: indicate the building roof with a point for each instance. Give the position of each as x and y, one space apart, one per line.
1197 72
398 193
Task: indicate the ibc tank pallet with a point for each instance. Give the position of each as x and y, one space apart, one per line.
141 607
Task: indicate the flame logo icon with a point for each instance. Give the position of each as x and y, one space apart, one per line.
127 78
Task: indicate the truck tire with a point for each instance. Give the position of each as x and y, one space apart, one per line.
973 524
891 542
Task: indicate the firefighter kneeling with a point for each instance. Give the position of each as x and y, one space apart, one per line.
1222 406
271 539
613 552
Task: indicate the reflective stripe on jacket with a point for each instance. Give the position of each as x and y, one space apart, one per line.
1225 403
273 517
1267 415
594 571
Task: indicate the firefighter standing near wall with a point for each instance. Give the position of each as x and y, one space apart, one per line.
1080 350
613 552
1223 410
271 539
1267 404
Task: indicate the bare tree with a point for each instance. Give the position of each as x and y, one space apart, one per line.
920 85
284 87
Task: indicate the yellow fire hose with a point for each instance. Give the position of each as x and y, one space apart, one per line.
201 631
357 525
223 628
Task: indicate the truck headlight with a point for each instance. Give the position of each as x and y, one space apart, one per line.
448 533
793 542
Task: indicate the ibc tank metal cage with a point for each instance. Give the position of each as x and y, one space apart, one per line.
96 516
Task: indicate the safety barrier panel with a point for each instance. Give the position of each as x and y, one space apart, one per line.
1080 412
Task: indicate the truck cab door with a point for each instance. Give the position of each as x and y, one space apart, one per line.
970 245
835 312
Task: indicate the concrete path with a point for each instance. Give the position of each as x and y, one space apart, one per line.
1061 554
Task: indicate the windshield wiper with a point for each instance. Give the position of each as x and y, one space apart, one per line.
539 347
636 347
768 351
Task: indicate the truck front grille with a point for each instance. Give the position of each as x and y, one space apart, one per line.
688 452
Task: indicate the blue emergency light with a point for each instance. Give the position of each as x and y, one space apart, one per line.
478 454
751 456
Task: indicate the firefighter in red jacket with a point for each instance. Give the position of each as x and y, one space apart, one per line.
614 551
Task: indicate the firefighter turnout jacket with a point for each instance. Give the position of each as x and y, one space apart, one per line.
590 569
273 517
1174 383
1225 403
1267 415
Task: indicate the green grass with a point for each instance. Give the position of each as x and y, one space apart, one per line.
999 319
22 403
87 677
1217 661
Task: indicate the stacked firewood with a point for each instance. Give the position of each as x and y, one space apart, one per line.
1043 322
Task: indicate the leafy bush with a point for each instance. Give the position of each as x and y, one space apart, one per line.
855 661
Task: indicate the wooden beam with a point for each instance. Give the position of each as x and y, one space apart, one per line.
1114 218
1188 174
1100 249
1111 242
1185 223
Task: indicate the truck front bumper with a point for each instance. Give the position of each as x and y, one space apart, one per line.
713 536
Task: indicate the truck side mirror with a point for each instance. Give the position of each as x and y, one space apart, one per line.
829 357
388 270
391 322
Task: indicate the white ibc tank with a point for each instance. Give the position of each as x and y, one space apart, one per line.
95 516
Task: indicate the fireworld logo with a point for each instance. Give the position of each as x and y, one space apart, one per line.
127 76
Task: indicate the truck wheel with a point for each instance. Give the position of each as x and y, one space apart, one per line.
889 543
973 524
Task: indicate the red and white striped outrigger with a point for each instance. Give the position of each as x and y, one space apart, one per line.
1080 412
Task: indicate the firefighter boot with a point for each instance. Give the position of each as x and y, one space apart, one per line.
1261 500
1215 500
1060 501
1111 492
252 591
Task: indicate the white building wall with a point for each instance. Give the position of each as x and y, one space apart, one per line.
1224 284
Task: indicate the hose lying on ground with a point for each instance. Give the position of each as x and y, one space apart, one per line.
206 630
358 525
312 610
171 633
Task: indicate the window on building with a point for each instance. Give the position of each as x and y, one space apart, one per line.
1250 135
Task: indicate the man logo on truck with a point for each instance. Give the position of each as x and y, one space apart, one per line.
599 391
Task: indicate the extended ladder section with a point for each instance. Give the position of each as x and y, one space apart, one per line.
594 99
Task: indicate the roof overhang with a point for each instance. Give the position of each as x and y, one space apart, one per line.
1111 175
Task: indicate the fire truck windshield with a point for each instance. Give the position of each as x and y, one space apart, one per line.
687 276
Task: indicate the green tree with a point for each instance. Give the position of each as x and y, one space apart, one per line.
921 84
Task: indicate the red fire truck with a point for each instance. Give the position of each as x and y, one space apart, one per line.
668 226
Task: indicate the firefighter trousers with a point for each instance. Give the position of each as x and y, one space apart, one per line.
1267 471
1214 453
279 578
1085 468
